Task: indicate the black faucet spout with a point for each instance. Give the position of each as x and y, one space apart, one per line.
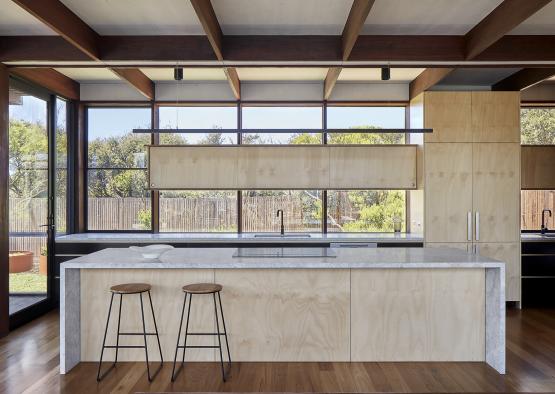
544 228
282 227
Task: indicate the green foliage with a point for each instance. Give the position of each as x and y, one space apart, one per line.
145 217
376 210
538 126
26 282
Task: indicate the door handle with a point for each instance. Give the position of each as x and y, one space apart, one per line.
477 220
469 226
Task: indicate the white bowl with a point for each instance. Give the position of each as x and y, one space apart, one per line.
151 251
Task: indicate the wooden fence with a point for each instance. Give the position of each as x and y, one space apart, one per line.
532 202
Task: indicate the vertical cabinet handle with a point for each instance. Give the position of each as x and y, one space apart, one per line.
477 226
469 226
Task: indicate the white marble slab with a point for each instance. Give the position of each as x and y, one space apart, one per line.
221 258
236 238
537 237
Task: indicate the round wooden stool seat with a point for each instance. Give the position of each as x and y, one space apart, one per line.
130 288
202 288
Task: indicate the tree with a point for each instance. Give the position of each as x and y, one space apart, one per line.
538 126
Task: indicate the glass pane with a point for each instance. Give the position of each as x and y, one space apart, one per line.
365 210
118 200
61 167
111 140
302 210
294 118
199 118
532 202
198 211
366 118
28 202
537 126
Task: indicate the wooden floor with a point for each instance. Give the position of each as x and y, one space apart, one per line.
29 363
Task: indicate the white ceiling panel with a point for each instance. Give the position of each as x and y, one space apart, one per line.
15 21
542 22
374 74
282 74
89 74
137 17
282 16
444 17
189 74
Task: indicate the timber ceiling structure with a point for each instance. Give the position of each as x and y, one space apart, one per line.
509 44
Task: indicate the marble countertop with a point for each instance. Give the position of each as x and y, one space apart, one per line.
221 258
235 238
537 237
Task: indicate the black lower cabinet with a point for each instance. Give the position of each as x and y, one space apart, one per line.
538 274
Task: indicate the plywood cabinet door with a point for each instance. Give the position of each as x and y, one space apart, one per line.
448 192
496 116
509 253
449 114
279 167
496 192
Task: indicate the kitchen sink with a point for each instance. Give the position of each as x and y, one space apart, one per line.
281 236
284 252
548 235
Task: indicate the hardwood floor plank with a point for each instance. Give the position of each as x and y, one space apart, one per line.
29 363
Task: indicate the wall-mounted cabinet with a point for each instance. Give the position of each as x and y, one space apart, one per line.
283 167
472 176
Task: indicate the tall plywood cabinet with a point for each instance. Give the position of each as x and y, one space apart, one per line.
472 176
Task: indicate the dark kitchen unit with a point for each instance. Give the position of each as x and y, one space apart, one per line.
538 270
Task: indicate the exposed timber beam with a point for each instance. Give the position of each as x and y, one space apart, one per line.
421 51
504 18
524 78
77 33
137 79
209 21
51 80
353 26
357 16
63 21
331 79
427 79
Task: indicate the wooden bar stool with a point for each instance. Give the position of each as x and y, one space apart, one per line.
201 288
124 289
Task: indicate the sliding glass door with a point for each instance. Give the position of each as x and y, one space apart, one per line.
32 185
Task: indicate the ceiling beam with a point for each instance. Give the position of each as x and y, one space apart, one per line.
421 51
524 78
355 21
71 28
63 21
137 79
207 17
331 79
427 79
504 18
51 80
353 26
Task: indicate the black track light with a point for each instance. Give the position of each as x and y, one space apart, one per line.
386 73
178 73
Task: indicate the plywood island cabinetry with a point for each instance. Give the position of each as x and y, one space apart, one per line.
472 175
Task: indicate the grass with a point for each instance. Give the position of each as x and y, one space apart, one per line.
27 282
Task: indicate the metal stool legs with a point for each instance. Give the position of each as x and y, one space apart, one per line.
144 334
175 372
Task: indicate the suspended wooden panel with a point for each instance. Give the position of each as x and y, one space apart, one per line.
538 167
282 167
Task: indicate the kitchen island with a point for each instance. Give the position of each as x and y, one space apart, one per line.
390 304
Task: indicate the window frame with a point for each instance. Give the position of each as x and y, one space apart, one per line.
154 140
87 169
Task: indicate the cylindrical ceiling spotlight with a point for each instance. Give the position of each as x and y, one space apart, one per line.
386 73
178 73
